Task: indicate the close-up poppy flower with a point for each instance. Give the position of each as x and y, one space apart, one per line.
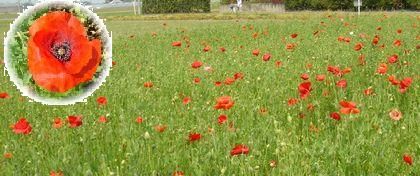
60 56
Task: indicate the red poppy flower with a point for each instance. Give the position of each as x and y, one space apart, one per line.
341 83
148 84
346 70
60 56
405 83
207 48
395 114
304 76
238 75
304 89
368 91
293 35
222 49
196 64
139 120
408 159
239 149
194 137
320 77
392 59
197 80
335 116
348 107
56 173
334 70
22 127
267 57
310 107
397 43
290 46
101 100
217 83
177 43
102 119
178 173
8 155
224 102
394 81
382 69
4 95
222 119
229 81
160 128
340 38
186 100
74 121
347 39
292 101
278 64
58 123
256 52
375 40
399 31
358 46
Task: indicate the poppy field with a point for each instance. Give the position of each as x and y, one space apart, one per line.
314 93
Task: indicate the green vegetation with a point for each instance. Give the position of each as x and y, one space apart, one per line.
300 139
178 6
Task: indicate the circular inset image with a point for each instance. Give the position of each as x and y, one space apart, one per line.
58 52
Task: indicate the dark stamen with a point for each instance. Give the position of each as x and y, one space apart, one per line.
61 51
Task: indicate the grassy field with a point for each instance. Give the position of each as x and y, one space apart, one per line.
283 139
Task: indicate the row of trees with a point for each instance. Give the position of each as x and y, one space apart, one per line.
175 6
348 4
339 4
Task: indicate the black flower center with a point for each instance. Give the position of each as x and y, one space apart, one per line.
61 51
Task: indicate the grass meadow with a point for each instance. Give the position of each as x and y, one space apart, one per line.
284 126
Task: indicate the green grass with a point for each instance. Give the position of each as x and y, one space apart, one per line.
361 144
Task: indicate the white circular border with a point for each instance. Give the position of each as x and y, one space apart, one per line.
106 63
